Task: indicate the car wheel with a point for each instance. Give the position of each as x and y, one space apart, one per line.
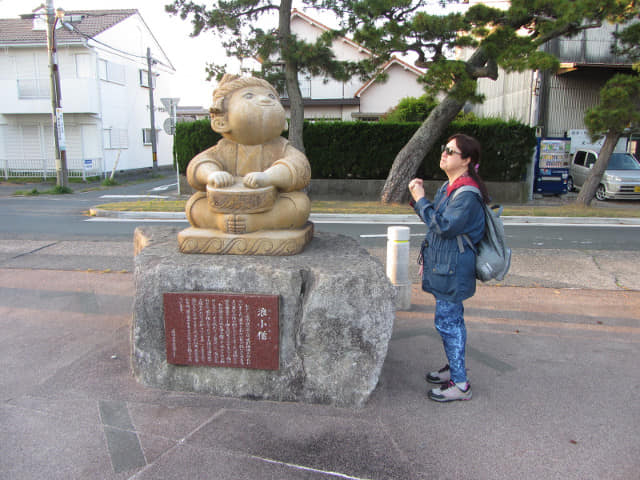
601 193
570 187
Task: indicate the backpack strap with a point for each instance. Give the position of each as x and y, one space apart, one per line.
466 188
464 236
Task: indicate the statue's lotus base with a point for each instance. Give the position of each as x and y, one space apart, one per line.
263 242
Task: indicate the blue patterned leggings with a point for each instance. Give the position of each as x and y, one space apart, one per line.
449 320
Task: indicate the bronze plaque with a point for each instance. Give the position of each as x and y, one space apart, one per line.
222 330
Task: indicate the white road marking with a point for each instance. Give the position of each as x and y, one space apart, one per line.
137 220
380 235
134 196
308 469
164 187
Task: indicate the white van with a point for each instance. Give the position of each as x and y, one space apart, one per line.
621 179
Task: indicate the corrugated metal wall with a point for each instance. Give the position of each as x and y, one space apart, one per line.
591 46
568 98
507 97
563 98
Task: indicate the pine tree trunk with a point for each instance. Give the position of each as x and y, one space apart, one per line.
296 108
588 190
410 158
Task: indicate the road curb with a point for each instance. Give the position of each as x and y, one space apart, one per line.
380 218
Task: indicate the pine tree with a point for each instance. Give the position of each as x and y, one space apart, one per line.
239 23
618 111
511 39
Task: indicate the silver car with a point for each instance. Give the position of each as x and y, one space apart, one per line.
621 179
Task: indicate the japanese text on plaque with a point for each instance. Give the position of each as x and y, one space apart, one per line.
225 330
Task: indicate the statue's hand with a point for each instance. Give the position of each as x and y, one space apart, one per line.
256 180
220 179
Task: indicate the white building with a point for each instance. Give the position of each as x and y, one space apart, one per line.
326 98
102 58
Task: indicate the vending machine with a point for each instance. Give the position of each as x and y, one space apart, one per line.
552 166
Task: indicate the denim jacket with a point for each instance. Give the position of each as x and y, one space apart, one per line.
447 273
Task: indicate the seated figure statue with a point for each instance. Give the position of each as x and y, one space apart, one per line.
249 197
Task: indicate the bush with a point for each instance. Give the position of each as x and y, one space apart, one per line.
192 138
343 150
410 109
507 149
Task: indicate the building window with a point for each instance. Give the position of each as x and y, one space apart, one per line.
111 72
33 75
146 136
83 66
144 78
115 138
305 85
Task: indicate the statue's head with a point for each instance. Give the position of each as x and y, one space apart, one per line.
247 110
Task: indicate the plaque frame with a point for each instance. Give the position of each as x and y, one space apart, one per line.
214 329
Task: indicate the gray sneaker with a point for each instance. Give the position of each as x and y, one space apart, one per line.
450 392
440 377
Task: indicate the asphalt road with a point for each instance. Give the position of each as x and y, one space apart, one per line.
60 217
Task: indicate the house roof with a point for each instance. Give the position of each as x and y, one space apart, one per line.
387 66
393 61
296 13
19 31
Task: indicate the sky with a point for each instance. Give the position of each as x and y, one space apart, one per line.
188 55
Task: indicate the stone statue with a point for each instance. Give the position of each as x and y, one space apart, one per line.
249 199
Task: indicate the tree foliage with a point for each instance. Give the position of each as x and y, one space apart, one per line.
619 107
510 39
240 26
410 109
618 111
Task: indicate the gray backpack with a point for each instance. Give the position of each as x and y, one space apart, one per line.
493 257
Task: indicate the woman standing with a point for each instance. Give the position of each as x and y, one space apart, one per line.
449 274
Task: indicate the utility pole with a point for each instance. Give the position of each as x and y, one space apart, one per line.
56 106
154 147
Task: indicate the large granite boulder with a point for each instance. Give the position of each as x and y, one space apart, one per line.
336 313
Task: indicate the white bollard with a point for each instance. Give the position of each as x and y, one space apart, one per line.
398 265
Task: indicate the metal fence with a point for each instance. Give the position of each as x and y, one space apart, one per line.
44 168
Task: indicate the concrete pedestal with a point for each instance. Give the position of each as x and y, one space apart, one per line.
336 317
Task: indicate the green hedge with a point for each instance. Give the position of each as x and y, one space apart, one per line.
367 150
192 138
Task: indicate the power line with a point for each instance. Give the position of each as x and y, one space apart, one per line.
89 37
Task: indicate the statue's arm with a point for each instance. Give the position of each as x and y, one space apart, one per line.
292 171
205 168
289 172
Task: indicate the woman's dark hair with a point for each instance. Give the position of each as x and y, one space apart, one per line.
470 148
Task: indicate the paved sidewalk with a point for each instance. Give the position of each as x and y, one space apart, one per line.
550 268
554 373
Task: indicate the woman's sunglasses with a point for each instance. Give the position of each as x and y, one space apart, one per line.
450 152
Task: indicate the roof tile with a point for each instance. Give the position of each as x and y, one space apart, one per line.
19 31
